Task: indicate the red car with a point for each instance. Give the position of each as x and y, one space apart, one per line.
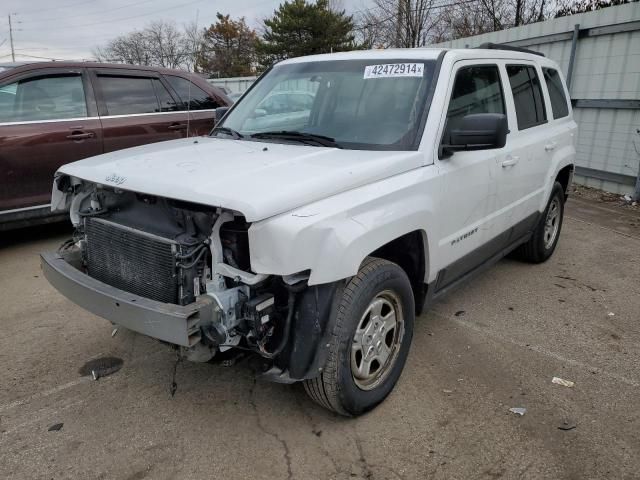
59 112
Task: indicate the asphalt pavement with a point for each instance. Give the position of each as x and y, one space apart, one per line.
494 344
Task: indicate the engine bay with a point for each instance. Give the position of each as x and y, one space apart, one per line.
176 252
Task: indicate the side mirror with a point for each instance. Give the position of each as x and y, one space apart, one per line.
477 131
219 113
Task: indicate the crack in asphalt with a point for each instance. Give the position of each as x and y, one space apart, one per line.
538 349
261 427
366 468
314 430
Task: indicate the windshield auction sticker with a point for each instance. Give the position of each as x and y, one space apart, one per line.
394 70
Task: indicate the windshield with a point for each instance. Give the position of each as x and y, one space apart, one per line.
361 104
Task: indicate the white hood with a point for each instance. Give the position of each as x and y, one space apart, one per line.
257 179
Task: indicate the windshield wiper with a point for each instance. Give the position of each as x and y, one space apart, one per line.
299 136
229 131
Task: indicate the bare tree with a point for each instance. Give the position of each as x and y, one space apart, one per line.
132 48
159 44
398 23
414 23
194 36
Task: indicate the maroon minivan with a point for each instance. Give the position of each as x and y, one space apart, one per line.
58 112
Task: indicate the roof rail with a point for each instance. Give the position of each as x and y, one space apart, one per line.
500 46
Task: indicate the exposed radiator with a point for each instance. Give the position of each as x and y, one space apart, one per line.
132 260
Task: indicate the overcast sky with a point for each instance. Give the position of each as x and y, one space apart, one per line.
70 29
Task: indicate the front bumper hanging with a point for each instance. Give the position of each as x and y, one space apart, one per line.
171 323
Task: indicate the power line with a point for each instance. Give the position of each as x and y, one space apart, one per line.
57 7
65 17
123 18
395 15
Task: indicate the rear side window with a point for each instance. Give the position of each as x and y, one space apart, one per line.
128 95
54 97
192 96
527 96
476 89
559 104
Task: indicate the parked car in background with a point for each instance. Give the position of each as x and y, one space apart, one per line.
55 113
282 109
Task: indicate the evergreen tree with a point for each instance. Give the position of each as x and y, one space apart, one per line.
300 28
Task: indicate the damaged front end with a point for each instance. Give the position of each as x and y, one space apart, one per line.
181 273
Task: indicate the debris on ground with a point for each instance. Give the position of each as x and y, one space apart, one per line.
459 313
567 425
518 410
101 367
611 314
113 333
563 382
56 427
447 391
612 199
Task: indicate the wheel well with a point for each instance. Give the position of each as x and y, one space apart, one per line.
563 178
408 251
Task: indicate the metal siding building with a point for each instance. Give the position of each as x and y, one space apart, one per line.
604 86
234 84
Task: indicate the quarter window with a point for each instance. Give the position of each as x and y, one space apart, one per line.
55 97
527 96
559 104
167 104
128 95
192 96
476 89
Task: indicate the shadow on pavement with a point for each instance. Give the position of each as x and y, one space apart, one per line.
37 232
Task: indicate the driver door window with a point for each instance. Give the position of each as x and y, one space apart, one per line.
477 89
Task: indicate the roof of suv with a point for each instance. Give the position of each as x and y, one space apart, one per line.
417 54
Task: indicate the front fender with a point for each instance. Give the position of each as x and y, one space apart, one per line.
332 237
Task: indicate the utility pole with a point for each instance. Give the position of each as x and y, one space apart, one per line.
13 53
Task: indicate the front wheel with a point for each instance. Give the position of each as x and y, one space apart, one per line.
545 237
370 340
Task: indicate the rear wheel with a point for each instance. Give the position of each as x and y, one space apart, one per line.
370 340
545 237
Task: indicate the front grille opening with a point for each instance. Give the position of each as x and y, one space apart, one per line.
132 260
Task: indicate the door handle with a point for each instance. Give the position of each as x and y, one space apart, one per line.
550 147
178 126
510 161
80 135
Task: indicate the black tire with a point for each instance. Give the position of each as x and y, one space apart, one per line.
336 388
537 249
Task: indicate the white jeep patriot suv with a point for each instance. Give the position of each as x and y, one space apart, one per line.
340 195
